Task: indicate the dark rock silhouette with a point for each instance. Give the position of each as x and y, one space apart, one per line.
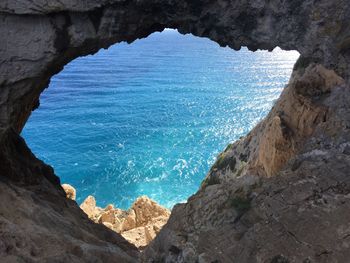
281 194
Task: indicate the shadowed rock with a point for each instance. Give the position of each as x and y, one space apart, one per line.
70 191
39 224
280 194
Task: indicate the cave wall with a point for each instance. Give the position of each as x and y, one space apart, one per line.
302 143
40 37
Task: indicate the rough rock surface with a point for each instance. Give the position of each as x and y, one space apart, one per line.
39 224
139 225
70 191
281 194
40 37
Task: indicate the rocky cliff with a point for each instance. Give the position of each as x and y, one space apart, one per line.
39 224
281 194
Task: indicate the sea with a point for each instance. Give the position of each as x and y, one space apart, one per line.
150 117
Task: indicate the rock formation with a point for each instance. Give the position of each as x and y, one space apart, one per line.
280 194
38 223
70 191
139 225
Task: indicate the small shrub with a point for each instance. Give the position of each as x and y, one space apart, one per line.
224 161
229 147
211 179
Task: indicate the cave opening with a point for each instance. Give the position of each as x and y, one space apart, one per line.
280 193
150 118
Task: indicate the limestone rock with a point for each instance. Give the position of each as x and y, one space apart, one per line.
143 234
129 220
136 236
280 194
70 191
107 217
139 225
69 29
109 225
279 137
154 226
146 210
89 207
109 207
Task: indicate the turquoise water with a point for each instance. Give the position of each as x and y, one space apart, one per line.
149 118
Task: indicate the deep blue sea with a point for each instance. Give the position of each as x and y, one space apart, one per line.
149 118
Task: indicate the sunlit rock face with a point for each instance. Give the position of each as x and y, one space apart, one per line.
139 225
278 195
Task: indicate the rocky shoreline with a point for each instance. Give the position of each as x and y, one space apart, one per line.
139 224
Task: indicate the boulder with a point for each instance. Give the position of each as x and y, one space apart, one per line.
146 210
109 207
139 225
107 217
136 236
129 221
70 191
89 207
109 225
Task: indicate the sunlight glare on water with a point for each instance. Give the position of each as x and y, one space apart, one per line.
150 118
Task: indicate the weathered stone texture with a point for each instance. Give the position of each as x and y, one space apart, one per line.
40 37
39 224
139 225
278 195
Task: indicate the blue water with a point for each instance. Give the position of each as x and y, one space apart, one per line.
150 118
